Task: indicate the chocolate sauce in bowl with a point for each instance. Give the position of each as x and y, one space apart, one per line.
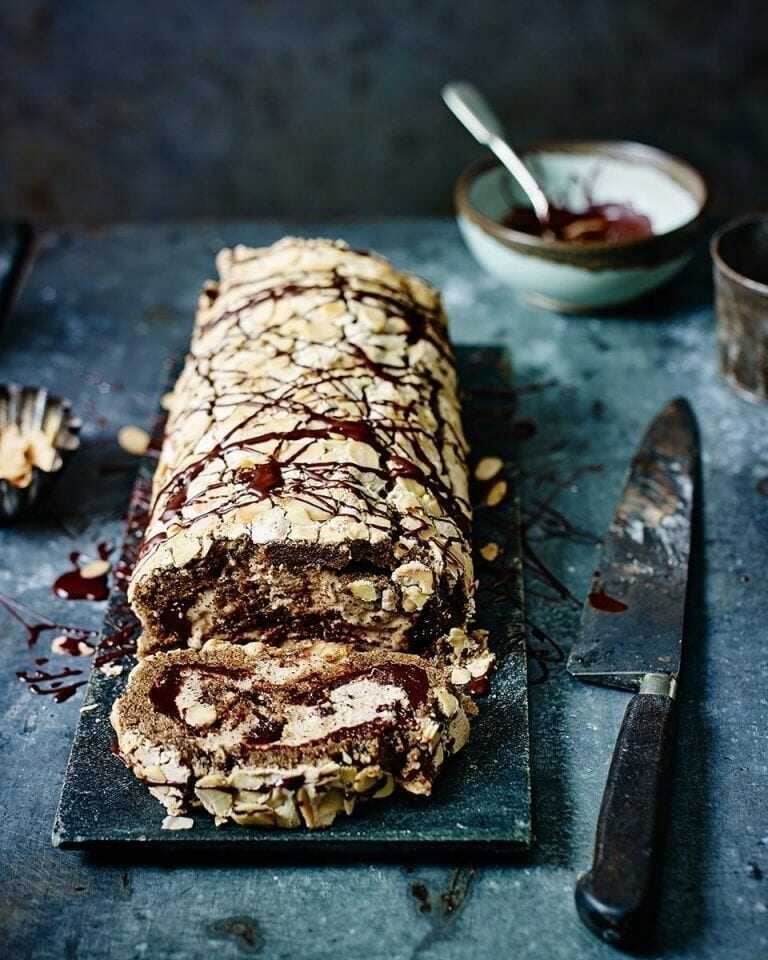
598 223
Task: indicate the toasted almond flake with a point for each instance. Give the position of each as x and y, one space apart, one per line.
496 494
364 590
96 569
487 468
480 665
447 702
460 675
580 227
58 644
177 823
200 715
490 551
133 440
111 669
386 789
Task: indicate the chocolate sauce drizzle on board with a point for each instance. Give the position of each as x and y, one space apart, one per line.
35 624
43 683
541 522
72 585
39 681
382 424
602 601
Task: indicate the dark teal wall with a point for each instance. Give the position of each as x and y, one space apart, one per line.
137 109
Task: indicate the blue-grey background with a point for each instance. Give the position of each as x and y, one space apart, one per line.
150 110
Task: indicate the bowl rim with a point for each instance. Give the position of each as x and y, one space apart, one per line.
723 266
679 170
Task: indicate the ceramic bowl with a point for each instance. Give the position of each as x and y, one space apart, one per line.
578 277
34 411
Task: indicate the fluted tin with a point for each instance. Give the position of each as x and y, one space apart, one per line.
38 432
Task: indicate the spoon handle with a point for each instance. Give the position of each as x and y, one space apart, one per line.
474 111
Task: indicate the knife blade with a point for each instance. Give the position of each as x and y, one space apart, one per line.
632 621
631 637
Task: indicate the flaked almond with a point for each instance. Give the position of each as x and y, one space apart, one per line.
200 715
364 590
490 551
480 665
460 675
580 227
366 778
177 823
166 400
487 468
133 440
95 569
496 494
111 669
448 703
386 789
216 802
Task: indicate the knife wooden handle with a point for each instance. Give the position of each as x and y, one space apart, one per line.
617 899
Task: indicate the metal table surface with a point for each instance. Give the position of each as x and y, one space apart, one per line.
100 316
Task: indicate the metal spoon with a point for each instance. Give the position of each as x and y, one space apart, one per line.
474 111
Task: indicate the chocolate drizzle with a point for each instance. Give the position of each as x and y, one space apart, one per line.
380 424
72 585
44 683
262 478
35 624
600 600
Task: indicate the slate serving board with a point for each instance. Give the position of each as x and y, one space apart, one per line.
483 801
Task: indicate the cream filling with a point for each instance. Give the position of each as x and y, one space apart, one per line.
353 704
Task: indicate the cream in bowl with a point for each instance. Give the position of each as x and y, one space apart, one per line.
623 217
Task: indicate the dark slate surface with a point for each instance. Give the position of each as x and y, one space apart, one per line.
483 801
100 316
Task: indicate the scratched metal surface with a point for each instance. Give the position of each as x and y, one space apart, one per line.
482 801
109 308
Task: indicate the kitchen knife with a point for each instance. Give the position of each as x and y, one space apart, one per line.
631 637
